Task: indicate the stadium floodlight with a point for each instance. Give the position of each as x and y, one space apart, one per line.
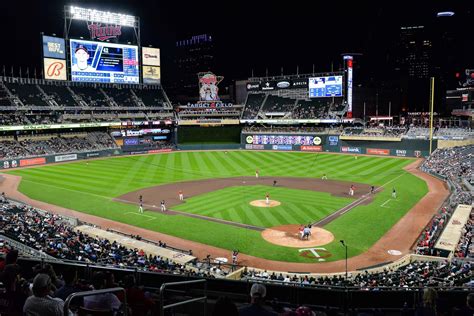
445 14
93 15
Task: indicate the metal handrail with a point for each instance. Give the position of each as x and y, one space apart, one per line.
201 298
96 292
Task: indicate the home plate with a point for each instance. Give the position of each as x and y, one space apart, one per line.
394 252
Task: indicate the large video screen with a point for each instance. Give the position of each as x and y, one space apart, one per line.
322 87
104 62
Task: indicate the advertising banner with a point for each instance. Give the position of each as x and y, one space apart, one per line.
54 69
32 162
253 86
130 141
355 150
282 147
54 47
65 157
283 139
156 151
8 164
151 56
400 152
151 75
312 148
208 86
333 140
250 146
375 151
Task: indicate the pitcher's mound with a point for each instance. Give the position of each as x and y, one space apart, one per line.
263 203
289 236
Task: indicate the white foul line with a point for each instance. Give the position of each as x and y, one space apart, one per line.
385 203
133 213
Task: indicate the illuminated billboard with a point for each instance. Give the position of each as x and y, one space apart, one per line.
54 69
321 87
208 90
151 56
151 75
104 62
54 47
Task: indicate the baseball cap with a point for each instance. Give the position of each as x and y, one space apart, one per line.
81 47
41 281
258 290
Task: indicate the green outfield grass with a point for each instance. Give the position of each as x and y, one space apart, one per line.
90 188
233 204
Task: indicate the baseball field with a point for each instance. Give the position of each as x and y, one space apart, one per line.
219 188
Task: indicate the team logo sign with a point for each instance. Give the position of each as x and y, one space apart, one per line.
319 254
317 140
54 69
249 139
417 153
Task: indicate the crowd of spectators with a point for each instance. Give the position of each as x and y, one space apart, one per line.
453 164
416 274
283 129
53 235
375 131
12 149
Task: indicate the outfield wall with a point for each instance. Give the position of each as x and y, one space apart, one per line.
43 160
333 143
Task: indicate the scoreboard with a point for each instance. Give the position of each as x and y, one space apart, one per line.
322 87
104 62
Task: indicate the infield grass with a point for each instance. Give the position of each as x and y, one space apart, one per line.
90 188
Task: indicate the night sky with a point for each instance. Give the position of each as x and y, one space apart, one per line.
249 34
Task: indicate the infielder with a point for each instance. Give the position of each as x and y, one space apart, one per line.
324 177
140 209
394 193
163 206
351 190
256 173
181 196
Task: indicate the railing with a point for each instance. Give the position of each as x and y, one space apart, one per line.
97 292
192 300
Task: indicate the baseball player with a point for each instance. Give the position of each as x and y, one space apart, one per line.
140 209
394 193
163 206
351 190
256 173
267 199
140 199
301 231
235 253
324 177
372 189
180 194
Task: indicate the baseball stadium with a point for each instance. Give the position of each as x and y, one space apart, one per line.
282 189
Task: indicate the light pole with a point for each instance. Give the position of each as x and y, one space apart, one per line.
345 246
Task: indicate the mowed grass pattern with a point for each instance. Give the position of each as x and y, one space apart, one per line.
233 204
90 188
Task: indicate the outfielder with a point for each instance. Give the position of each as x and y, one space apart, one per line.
394 193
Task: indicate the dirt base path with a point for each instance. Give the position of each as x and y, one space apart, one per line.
400 237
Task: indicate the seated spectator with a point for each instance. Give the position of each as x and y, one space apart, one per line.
41 303
10 258
137 298
69 287
257 299
14 297
225 306
107 301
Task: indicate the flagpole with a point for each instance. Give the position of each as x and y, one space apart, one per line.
432 80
